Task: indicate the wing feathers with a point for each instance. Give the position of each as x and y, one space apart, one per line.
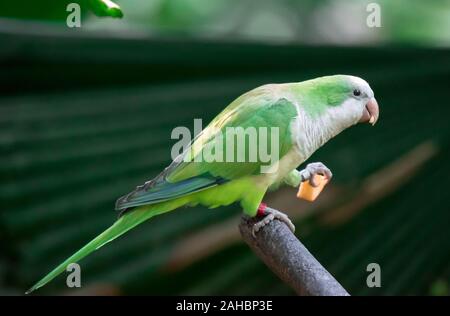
164 191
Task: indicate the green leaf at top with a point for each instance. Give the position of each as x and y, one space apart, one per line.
106 8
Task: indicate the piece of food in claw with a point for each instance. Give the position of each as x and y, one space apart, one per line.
309 193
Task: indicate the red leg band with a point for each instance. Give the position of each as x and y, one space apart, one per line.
261 209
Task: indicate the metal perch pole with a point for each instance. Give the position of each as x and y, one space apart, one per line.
286 256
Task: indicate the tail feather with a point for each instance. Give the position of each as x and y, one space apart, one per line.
128 221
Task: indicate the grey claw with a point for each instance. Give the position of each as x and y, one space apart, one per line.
271 215
315 168
312 181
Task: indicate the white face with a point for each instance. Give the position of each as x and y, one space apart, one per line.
360 106
355 107
363 87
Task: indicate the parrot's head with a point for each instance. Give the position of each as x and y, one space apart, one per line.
332 104
351 100
339 101
365 104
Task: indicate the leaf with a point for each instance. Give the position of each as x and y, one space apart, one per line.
106 8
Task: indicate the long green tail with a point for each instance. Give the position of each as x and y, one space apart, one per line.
121 226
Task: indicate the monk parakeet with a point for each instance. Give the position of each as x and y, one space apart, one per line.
306 114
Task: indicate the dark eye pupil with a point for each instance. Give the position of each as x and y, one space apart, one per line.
356 92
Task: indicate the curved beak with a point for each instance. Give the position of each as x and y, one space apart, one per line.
370 113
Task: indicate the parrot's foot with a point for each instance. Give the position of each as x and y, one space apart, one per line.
269 215
313 169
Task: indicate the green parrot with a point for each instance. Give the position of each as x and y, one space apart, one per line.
306 114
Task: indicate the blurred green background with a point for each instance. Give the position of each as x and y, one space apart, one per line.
86 115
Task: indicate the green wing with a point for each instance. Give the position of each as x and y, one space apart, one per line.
188 173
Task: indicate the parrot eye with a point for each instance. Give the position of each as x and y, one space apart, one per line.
356 92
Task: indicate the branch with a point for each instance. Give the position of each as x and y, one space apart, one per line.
286 256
